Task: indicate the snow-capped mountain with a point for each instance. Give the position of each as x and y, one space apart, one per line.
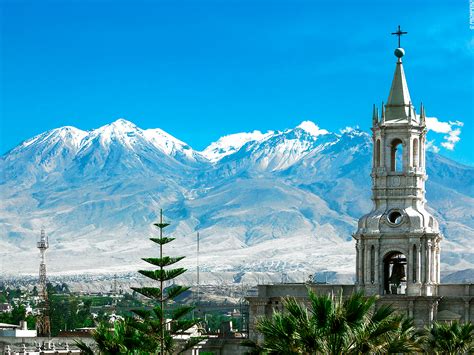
275 202
41 155
231 144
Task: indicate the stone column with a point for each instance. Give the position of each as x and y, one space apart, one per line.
438 266
410 265
405 156
357 263
423 151
418 263
376 266
429 261
257 309
434 272
422 262
466 310
367 265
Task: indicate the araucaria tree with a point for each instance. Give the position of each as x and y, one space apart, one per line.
161 323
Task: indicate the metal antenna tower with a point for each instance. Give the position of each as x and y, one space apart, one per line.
197 270
43 326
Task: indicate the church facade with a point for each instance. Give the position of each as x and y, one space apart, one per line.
398 242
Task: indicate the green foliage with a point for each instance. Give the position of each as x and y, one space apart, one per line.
174 291
162 275
450 338
121 338
150 292
214 321
17 314
10 294
68 312
162 240
164 261
3 297
62 288
332 325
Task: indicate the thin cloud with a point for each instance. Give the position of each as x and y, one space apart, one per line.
450 129
451 139
431 146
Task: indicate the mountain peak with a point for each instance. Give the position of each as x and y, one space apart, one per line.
120 130
231 143
312 128
120 124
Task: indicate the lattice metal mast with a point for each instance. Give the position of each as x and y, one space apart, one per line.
43 326
197 270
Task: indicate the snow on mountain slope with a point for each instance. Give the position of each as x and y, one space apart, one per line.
339 172
286 143
114 149
282 201
231 143
47 153
277 151
172 146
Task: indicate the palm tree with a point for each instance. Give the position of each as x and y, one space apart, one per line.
122 339
407 340
450 338
281 334
332 325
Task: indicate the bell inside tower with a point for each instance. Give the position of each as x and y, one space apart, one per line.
395 281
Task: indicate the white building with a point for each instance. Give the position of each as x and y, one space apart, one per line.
16 331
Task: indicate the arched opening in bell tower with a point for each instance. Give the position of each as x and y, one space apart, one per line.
396 155
394 273
415 152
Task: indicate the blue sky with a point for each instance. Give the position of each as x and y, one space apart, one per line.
203 69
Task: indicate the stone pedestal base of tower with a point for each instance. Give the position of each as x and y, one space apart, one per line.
422 309
455 302
369 290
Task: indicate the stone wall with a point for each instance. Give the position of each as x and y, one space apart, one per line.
453 302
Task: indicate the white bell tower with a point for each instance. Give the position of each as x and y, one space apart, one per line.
397 243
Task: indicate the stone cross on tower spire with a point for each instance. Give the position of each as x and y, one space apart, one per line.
399 33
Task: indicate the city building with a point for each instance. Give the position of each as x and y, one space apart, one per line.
16 331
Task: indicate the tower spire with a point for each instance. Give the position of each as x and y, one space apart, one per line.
383 113
422 115
375 115
399 101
